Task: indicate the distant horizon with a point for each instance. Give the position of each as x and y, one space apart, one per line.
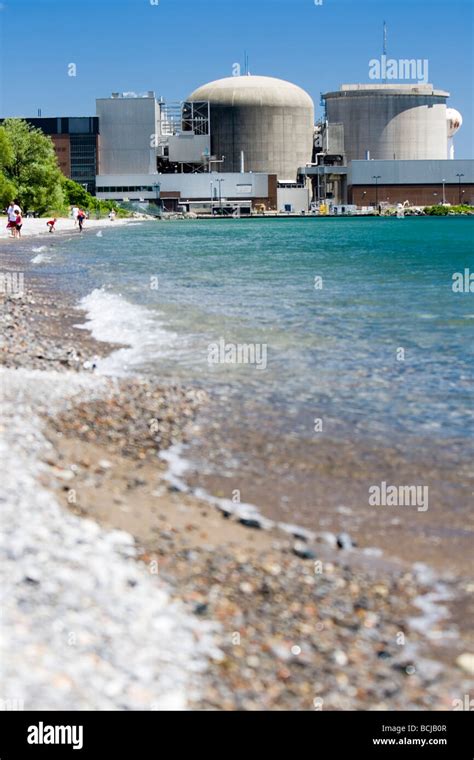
65 59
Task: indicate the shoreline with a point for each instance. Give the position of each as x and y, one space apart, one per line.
284 628
33 229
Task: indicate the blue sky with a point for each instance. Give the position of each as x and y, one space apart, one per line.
172 47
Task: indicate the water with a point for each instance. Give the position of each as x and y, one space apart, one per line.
382 353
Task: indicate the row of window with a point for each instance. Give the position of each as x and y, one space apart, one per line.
137 189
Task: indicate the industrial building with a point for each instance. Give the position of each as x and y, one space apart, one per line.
383 144
388 122
127 127
251 142
254 131
193 191
260 123
376 144
425 183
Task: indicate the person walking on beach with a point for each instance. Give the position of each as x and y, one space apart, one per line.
74 212
12 213
51 224
80 218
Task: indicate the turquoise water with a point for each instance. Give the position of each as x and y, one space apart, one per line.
331 352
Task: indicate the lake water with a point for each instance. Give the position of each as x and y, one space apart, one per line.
363 367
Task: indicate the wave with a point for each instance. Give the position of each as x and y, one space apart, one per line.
41 258
142 337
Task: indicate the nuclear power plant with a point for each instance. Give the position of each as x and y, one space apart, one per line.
251 143
389 121
263 123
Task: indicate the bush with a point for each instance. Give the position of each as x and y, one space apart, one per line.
446 210
76 195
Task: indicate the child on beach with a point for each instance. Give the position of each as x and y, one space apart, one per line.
18 224
80 218
51 224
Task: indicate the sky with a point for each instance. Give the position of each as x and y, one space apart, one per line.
173 46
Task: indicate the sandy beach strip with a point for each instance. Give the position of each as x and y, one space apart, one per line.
158 588
36 228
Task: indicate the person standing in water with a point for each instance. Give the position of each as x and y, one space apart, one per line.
18 223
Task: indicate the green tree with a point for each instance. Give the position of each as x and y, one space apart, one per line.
31 166
6 151
75 194
7 188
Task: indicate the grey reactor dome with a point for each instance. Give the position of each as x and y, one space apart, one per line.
270 120
390 121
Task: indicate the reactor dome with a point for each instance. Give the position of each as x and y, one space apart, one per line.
270 120
454 120
389 121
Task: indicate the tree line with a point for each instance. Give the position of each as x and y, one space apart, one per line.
30 174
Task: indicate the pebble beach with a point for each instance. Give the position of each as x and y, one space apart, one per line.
124 591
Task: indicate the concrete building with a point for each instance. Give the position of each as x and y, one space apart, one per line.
129 133
260 124
192 190
387 122
422 183
251 141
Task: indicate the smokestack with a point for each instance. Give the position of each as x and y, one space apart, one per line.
242 162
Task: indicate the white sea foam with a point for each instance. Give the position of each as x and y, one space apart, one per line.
41 258
112 319
41 254
178 465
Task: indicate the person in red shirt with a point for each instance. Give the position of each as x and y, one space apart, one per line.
80 218
18 224
51 224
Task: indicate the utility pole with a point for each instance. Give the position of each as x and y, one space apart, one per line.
459 177
220 181
376 177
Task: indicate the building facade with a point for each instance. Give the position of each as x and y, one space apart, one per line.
129 132
76 142
177 190
421 183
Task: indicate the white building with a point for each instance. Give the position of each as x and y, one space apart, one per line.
129 132
188 189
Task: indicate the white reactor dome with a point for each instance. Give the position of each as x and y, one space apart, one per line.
263 123
454 120
253 91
